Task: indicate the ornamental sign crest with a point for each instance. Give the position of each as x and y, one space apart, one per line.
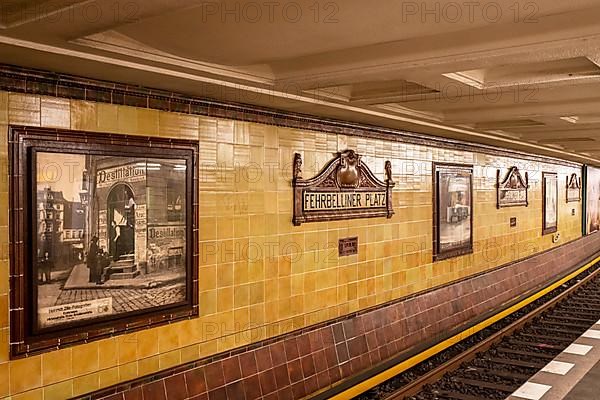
573 188
512 190
345 189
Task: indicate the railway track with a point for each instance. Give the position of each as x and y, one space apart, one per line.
496 361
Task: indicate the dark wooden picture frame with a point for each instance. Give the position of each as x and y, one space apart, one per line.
38 224
443 217
548 194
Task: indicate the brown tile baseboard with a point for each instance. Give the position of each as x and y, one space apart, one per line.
328 357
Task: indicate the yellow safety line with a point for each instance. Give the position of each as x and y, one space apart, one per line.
416 359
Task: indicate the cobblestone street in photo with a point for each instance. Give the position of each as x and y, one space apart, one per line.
125 300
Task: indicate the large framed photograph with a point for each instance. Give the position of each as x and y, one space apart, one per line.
453 210
550 205
592 199
103 231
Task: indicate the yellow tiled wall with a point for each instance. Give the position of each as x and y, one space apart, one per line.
259 275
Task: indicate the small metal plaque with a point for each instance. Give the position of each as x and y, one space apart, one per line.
348 246
513 222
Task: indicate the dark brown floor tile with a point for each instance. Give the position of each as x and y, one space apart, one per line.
303 345
214 375
327 336
320 361
349 331
271 396
334 374
323 379
263 359
316 344
342 352
248 364
286 394
154 391
218 394
295 370
291 349
133 394
176 388
118 396
267 381
235 390
308 366
195 381
311 384
298 390
231 369
338 333
277 350
282 378
252 388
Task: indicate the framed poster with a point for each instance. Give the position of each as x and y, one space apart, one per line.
453 210
592 200
102 231
550 205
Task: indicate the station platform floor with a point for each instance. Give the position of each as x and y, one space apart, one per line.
572 375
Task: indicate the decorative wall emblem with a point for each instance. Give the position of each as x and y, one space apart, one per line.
346 188
512 190
573 188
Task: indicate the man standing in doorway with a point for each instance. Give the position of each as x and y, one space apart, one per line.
92 262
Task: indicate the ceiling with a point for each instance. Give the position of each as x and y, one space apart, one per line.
522 75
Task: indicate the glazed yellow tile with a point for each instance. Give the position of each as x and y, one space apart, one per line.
127 121
148 122
55 112
59 391
3 311
127 348
56 366
147 343
128 371
208 302
109 377
147 366
25 374
178 125
86 384
86 358
84 115
108 117
24 109
3 107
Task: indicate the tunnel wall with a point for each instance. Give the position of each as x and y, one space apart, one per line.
272 294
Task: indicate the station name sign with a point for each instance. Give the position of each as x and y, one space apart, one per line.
343 201
345 189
